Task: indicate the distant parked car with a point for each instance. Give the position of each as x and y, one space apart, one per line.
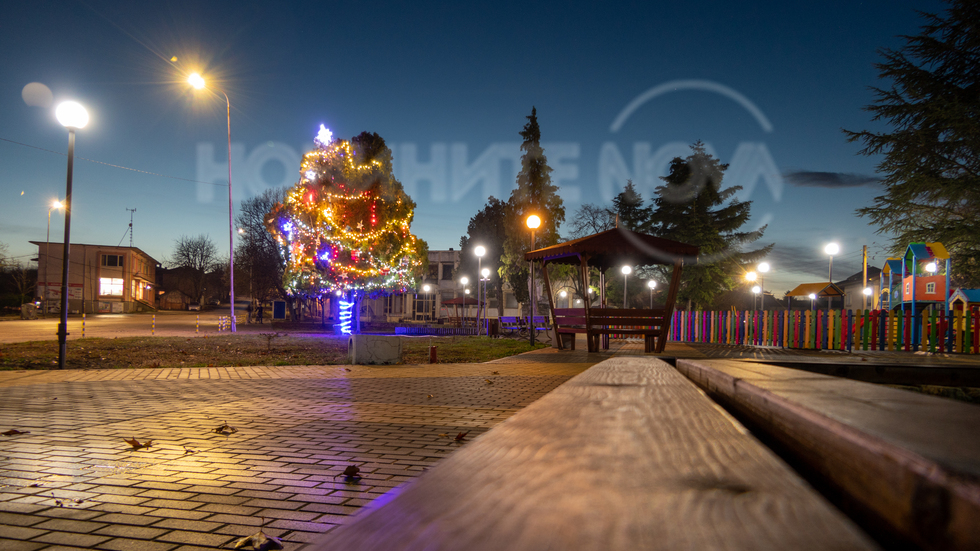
194 306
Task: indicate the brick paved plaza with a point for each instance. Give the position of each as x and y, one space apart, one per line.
74 482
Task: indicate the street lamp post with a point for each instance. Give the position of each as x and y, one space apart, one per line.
463 281
71 115
564 294
813 297
480 250
626 272
751 277
532 222
831 249
652 285
47 243
197 82
425 292
763 268
485 272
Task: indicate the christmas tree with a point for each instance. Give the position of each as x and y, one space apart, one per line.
344 228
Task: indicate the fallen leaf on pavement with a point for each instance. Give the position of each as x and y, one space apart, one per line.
225 429
444 435
136 443
352 471
429 397
260 542
489 382
495 373
461 436
14 432
188 451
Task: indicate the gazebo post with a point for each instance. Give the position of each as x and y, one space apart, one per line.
551 301
675 283
587 300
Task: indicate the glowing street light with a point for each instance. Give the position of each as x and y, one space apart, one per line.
932 268
533 222
831 249
813 297
652 285
425 290
71 115
197 81
626 272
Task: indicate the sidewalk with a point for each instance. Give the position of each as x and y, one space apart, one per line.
73 482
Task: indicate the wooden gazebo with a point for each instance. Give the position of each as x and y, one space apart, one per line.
615 247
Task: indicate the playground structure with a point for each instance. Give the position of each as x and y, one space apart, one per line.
923 274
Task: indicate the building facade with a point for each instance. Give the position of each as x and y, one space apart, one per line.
101 278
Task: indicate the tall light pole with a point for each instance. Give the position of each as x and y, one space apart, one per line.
831 249
71 115
532 222
463 281
425 291
751 277
56 204
197 81
479 251
485 272
763 268
626 272
652 285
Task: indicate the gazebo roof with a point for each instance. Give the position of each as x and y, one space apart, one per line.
820 289
616 247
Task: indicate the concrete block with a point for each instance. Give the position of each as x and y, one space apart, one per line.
374 349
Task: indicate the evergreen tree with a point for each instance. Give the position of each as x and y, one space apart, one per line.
535 194
693 208
344 228
628 207
931 153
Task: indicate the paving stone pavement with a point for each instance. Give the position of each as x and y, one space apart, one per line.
74 483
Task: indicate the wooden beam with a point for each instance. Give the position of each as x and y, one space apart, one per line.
909 461
675 284
588 302
627 455
551 303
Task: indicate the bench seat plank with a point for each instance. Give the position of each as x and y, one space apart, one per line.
627 455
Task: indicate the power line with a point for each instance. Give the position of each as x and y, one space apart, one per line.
115 166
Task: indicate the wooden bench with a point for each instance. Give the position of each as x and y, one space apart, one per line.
627 455
610 321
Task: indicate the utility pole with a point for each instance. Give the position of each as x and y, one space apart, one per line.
864 278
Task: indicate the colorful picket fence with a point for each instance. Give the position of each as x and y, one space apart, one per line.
832 329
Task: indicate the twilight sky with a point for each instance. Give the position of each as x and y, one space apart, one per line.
620 88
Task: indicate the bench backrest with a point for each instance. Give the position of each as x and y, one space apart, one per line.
508 320
643 317
611 316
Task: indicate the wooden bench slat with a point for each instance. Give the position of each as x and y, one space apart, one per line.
628 455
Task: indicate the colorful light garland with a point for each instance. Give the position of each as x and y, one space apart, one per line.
345 226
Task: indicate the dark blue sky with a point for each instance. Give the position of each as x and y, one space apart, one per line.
450 80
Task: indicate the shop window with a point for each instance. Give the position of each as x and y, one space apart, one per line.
110 287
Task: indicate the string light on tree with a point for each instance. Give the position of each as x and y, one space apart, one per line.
345 227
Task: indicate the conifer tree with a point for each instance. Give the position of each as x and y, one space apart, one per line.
535 194
931 150
692 207
344 228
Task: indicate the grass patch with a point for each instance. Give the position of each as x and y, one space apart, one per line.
239 350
